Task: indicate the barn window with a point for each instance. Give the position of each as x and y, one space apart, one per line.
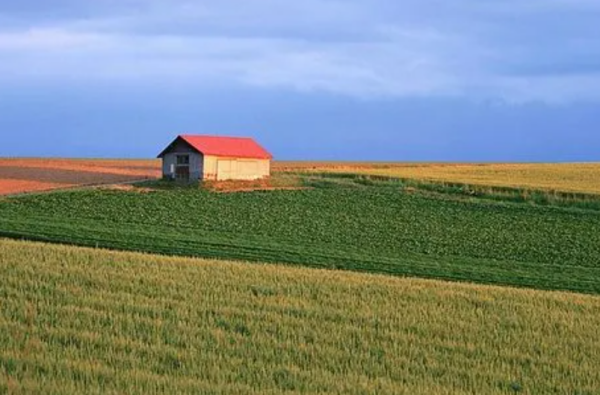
183 159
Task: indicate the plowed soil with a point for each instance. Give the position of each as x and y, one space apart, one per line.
33 175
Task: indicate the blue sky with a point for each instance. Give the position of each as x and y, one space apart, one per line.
432 80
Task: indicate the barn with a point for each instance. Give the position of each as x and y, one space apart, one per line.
198 157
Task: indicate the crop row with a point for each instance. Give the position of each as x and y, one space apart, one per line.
91 321
369 229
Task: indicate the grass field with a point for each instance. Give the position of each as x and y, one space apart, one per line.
91 321
567 177
379 229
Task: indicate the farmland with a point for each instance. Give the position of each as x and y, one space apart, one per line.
34 175
566 177
31 175
380 229
91 321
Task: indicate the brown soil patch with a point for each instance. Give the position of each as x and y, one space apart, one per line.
137 168
247 186
31 175
9 187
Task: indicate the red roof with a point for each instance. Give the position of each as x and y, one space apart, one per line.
237 147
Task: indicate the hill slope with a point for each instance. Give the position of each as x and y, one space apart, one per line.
380 229
82 320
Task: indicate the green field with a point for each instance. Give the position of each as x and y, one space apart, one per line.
79 320
368 228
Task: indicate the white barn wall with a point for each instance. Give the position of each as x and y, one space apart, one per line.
210 168
240 168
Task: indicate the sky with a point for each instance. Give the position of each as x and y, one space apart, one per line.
388 80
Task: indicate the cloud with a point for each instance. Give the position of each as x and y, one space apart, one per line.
517 51
49 40
398 66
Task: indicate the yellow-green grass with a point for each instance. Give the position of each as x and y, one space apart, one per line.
567 177
76 320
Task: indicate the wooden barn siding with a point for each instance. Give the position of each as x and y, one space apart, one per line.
181 147
210 167
196 164
239 172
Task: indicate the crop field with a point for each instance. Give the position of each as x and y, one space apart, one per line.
34 175
78 320
567 177
31 175
380 229
88 320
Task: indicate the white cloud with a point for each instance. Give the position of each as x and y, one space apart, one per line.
394 67
55 39
341 47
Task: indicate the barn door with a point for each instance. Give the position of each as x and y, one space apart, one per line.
182 170
182 173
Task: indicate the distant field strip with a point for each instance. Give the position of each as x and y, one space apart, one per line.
21 175
568 177
370 229
91 321
136 167
36 174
